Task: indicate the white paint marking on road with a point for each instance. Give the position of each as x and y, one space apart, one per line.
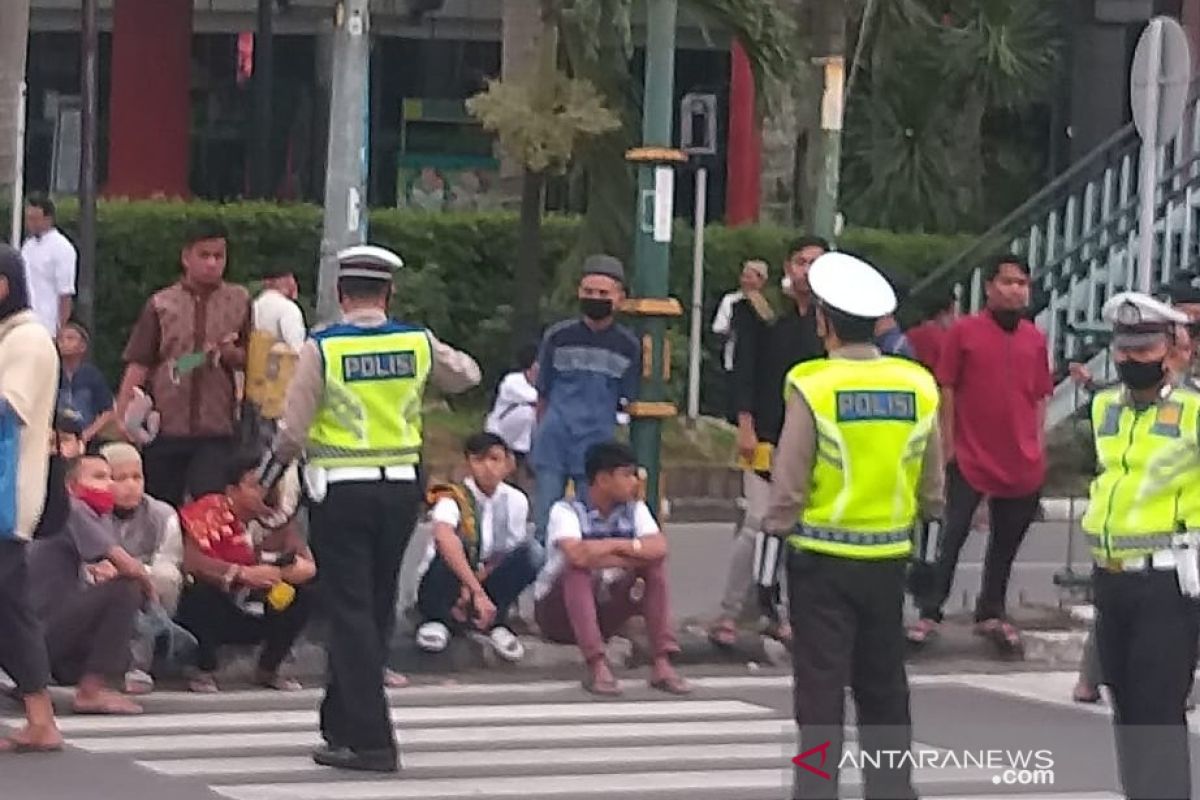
731 730
440 759
717 785
421 715
538 688
1060 796
726 754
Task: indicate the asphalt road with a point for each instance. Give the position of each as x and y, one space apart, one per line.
548 741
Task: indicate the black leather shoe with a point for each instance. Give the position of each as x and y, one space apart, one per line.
360 760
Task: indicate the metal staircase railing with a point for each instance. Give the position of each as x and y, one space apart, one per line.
1079 236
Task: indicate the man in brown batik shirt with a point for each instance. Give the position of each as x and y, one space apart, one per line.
186 350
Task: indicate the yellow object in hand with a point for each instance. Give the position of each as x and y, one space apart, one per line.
761 461
281 596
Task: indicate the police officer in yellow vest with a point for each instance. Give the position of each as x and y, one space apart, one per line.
858 462
1141 521
354 406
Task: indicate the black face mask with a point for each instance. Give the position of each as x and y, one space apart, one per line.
1140 375
596 308
1007 318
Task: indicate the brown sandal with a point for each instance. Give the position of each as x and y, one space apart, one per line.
673 684
923 632
723 633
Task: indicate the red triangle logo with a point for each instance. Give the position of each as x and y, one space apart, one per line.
823 751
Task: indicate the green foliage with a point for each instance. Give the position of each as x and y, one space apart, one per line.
937 132
458 276
539 120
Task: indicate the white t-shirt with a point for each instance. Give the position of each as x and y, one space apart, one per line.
723 325
564 525
50 261
502 521
515 412
280 317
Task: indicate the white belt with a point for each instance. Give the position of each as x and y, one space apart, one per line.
1158 560
399 473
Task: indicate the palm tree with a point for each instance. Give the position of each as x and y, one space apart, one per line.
14 38
540 115
918 159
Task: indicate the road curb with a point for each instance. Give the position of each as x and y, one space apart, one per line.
1056 648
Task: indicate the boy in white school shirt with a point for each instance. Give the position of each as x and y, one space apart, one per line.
481 557
606 563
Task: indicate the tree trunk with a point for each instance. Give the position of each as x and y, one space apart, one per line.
521 22
14 40
968 156
527 277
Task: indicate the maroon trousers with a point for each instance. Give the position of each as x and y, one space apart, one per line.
581 610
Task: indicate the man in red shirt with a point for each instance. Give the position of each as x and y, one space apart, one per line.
927 338
995 377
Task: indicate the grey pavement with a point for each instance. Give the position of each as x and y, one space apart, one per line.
548 741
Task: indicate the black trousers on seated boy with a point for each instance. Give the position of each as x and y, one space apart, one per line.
215 618
440 589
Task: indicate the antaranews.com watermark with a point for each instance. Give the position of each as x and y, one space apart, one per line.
1009 767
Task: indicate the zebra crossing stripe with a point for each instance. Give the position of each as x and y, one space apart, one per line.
427 738
419 715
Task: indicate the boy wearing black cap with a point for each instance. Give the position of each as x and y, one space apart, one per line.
587 370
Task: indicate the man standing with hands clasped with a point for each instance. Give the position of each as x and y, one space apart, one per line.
858 461
1146 579
354 406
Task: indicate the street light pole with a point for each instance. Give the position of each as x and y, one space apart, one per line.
87 167
652 246
346 163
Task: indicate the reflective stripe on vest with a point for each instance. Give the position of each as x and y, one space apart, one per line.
1148 481
873 421
370 415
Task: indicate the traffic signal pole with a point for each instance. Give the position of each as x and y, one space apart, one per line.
656 161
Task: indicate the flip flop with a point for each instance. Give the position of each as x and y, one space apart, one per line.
394 680
1003 634
675 685
922 633
1085 697
723 634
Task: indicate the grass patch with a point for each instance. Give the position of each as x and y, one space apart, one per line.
710 443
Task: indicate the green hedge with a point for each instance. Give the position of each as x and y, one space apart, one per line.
460 266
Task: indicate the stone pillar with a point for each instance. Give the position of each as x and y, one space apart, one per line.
150 106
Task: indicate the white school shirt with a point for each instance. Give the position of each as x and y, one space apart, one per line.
50 262
723 325
514 414
502 521
564 526
279 316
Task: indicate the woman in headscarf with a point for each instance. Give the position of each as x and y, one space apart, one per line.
28 387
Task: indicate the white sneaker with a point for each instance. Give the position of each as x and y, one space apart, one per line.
433 637
506 644
138 682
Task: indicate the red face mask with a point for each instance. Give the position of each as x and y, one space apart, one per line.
98 500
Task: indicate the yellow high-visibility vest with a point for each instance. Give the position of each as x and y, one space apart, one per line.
374 381
1148 486
873 420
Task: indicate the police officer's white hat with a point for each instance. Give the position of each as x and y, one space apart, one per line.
1139 319
851 286
368 261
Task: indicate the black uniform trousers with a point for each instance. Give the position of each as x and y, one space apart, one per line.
848 631
23 652
1146 633
359 534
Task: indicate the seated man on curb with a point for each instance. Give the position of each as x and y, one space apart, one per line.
606 563
88 622
245 592
149 531
480 559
